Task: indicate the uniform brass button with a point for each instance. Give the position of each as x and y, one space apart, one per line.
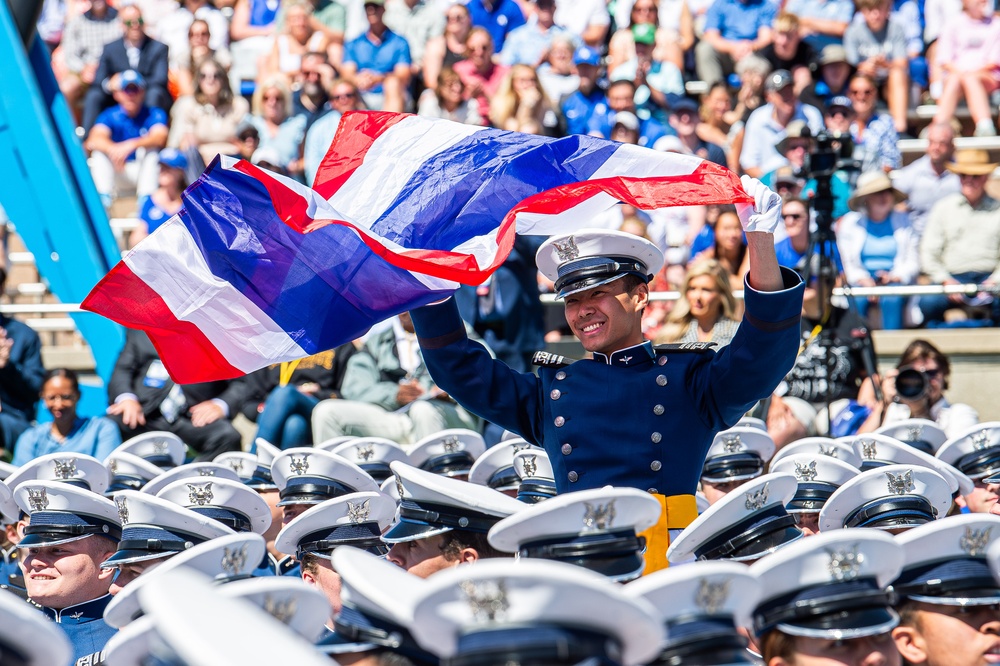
658 410
656 465
566 449
661 380
653 491
560 375
656 437
560 422
555 394
662 360
573 477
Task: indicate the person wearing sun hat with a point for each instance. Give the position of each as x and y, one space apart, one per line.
878 245
958 245
628 433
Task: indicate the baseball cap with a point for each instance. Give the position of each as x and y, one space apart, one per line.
841 101
779 79
173 158
587 56
627 119
679 103
832 53
130 77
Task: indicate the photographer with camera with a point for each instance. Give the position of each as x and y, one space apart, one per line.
915 389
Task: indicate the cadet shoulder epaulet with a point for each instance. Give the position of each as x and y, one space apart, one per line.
686 347
550 360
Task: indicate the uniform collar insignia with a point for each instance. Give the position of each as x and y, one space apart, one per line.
974 542
755 500
233 560
567 250
805 472
711 597
900 484
634 355
358 513
64 468
200 495
77 615
600 517
299 464
487 600
365 452
530 465
122 505
38 499
845 564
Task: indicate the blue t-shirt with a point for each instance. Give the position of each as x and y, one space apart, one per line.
124 127
579 108
95 436
738 20
381 58
499 22
879 249
152 214
650 129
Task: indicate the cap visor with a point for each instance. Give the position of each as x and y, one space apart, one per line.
406 530
844 624
41 540
123 557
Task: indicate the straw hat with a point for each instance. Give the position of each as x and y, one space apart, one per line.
872 182
971 162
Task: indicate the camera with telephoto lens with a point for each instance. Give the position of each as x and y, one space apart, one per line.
911 384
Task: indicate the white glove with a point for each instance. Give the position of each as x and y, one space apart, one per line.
765 214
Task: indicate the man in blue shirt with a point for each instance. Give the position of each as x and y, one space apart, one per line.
589 99
499 17
733 30
126 139
621 97
378 63
529 44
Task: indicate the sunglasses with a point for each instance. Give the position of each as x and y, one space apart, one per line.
200 33
794 216
344 96
861 92
132 23
274 98
455 18
210 76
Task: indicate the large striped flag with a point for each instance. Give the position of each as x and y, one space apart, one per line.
257 268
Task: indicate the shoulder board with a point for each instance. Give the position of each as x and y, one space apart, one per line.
549 360
686 347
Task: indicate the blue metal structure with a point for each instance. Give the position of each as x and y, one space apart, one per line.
45 184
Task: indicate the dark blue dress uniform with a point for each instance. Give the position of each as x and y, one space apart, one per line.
86 628
640 418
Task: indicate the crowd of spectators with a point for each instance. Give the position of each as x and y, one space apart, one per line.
160 89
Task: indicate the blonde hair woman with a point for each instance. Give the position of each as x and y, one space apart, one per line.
521 105
706 311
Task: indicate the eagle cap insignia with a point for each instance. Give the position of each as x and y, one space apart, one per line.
599 517
530 465
161 447
299 464
113 466
869 449
282 610
399 487
64 468
914 432
38 499
845 564
233 560
200 495
567 250
805 471
236 464
365 452
451 444
981 440
755 500
900 484
974 542
711 597
732 443
830 451
122 505
487 599
358 513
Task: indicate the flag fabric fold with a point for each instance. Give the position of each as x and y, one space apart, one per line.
257 268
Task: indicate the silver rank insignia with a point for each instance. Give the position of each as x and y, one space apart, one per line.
299 465
567 250
487 600
233 560
805 472
122 505
981 440
64 468
711 597
358 513
757 499
914 432
845 564
530 465
830 451
900 484
974 542
200 495
161 448
38 499
282 610
868 449
599 517
451 444
732 443
365 452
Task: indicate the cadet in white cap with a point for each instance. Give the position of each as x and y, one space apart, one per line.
824 600
594 529
892 497
736 456
378 600
443 522
307 476
14 521
153 529
241 462
921 434
29 638
533 612
448 452
743 526
355 520
820 446
163 449
818 477
947 598
261 481
230 502
976 453
195 470
372 454
223 559
614 419
495 468
701 608
534 469
77 469
128 472
72 531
